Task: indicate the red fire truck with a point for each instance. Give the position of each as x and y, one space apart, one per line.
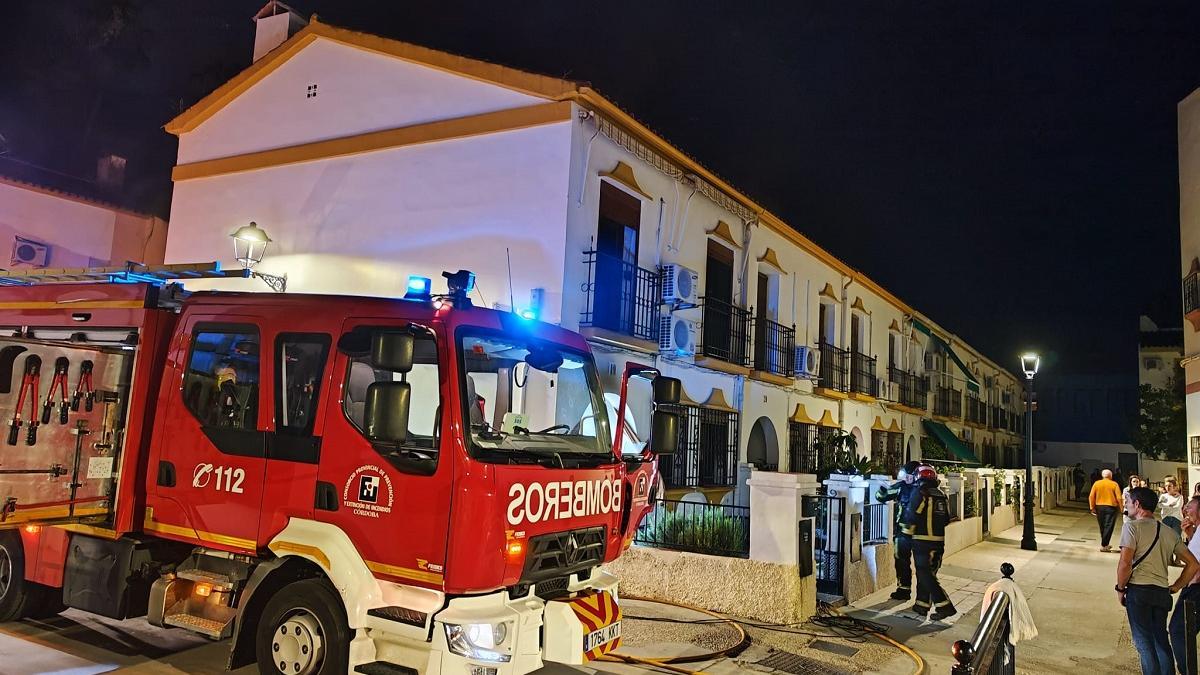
339 484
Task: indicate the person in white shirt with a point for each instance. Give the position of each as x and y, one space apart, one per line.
1170 507
1191 519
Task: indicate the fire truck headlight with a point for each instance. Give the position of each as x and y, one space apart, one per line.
483 641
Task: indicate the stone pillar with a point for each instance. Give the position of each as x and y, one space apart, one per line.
741 492
775 513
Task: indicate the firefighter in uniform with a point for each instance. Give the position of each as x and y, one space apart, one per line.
925 519
900 492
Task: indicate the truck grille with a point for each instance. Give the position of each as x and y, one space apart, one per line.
562 553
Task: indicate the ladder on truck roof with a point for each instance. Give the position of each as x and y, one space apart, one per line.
129 273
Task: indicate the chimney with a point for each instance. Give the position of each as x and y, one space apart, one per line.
110 173
273 25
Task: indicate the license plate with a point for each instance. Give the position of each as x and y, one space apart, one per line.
601 637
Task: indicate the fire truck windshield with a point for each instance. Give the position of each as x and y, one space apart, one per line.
532 398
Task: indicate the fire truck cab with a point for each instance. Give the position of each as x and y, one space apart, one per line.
339 484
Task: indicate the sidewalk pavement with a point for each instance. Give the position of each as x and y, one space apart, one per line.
1067 581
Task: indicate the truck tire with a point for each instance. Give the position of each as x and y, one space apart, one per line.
18 598
303 631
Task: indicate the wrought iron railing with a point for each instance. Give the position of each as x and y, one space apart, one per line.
976 410
707 452
713 529
806 452
875 523
829 522
1191 292
887 450
862 374
726 333
834 368
620 296
999 419
913 390
774 347
947 402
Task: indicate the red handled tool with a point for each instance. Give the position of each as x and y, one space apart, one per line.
83 388
29 388
62 366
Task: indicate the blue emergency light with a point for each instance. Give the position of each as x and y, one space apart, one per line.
419 288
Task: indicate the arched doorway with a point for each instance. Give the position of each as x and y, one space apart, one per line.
864 450
762 450
910 449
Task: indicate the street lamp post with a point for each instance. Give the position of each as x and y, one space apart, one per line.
1029 364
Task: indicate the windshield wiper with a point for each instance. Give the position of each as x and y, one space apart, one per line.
532 454
487 433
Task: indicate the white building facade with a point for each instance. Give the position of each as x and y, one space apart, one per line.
368 159
1189 240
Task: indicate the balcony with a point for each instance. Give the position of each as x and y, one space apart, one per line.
1191 299
976 411
862 374
726 333
947 402
620 300
774 348
834 368
913 390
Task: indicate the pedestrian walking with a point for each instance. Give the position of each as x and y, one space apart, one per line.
1147 550
900 492
1079 475
1105 502
925 521
1180 638
1170 507
1135 481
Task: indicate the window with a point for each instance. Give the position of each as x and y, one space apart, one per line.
708 447
1151 364
425 398
807 452
220 386
299 366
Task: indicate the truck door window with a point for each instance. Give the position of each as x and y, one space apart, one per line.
424 378
220 386
299 365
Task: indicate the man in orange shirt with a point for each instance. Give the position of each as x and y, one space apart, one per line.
1105 501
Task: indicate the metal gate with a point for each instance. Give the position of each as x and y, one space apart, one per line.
985 508
829 523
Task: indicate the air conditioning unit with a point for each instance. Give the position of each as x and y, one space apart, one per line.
889 391
808 361
968 435
30 252
677 336
680 285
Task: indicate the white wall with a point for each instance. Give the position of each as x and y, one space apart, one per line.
78 233
1189 240
357 92
361 224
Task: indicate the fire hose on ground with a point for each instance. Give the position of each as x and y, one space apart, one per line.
827 617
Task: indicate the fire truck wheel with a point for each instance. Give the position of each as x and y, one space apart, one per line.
303 631
18 598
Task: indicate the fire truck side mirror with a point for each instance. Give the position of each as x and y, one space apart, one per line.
667 390
385 414
392 350
664 434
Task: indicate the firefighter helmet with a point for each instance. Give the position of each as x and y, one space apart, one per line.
926 472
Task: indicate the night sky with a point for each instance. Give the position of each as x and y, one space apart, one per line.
1008 168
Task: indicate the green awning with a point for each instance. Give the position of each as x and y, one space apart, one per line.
972 382
952 443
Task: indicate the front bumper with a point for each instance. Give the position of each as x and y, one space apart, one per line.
540 631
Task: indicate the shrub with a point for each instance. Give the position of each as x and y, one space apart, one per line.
699 529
